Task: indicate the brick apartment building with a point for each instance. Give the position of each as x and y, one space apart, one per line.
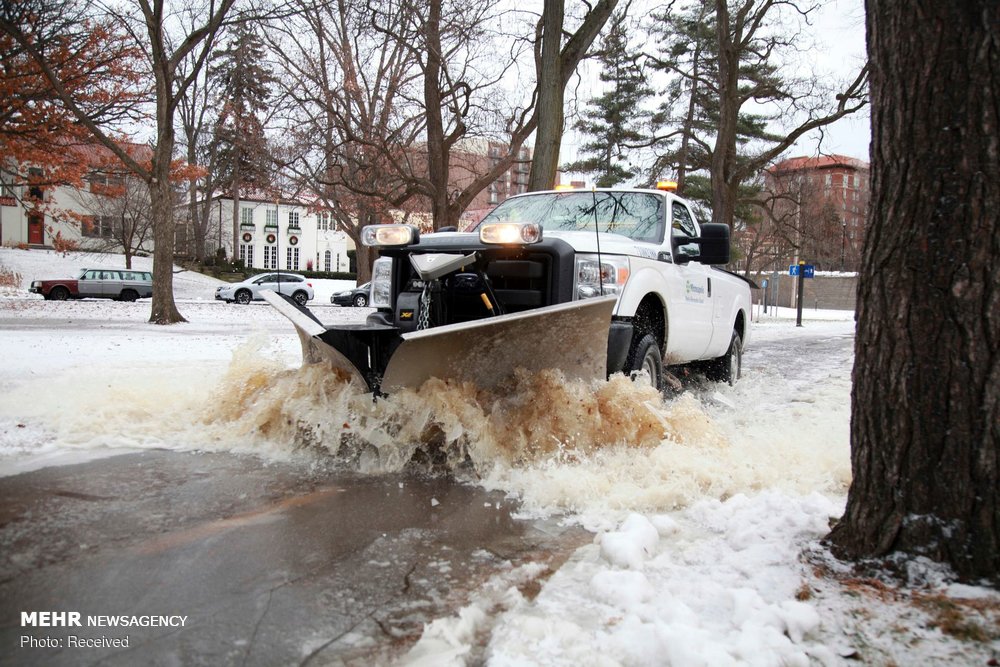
821 203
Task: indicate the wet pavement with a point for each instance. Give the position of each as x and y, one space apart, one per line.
267 564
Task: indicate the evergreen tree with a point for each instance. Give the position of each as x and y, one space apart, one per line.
615 121
244 82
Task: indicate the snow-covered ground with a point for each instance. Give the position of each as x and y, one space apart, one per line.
707 508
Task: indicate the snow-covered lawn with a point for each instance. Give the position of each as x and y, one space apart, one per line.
707 509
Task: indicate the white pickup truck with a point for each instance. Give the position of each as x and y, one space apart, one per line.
592 282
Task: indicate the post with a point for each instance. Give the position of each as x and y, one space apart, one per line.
801 285
843 244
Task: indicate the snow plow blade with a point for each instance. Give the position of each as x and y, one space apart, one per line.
571 337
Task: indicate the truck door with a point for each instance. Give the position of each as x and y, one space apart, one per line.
690 326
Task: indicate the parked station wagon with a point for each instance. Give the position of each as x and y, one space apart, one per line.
118 284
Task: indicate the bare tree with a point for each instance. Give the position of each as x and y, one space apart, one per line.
119 214
925 426
351 113
195 110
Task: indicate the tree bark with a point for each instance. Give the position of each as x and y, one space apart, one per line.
437 155
925 430
556 64
164 309
724 155
545 159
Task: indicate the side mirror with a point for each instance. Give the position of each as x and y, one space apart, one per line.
713 245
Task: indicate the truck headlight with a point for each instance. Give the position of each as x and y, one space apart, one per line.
508 233
382 283
389 235
609 271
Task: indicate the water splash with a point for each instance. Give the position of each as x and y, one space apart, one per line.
559 445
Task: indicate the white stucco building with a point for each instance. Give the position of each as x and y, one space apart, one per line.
284 234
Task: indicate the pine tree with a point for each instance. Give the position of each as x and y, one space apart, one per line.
615 121
244 82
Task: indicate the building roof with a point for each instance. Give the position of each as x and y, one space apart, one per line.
805 163
98 156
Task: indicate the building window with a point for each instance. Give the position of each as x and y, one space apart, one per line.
35 191
327 261
98 227
246 215
293 219
270 257
292 259
246 254
272 218
6 187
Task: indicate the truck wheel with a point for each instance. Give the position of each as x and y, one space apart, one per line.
645 356
729 366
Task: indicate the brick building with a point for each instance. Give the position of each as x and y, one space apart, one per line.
823 203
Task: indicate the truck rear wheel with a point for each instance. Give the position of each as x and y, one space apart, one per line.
644 355
729 366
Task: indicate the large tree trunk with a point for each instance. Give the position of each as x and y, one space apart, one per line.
437 155
551 90
925 432
723 163
161 199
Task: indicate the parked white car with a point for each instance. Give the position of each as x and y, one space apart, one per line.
290 284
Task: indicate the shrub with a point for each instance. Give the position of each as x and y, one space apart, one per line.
9 278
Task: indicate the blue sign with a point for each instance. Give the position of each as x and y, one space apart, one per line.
808 270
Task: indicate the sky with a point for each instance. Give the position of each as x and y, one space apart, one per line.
706 508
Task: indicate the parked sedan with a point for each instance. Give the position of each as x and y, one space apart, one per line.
117 284
290 284
359 296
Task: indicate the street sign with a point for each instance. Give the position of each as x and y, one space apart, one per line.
808 270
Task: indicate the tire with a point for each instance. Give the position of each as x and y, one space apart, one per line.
729 367
360 301
129 295
243 297
59 293
300 298
644 355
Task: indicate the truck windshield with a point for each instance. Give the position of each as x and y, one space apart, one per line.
638 215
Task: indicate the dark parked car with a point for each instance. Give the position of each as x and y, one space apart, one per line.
359 296
117 284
